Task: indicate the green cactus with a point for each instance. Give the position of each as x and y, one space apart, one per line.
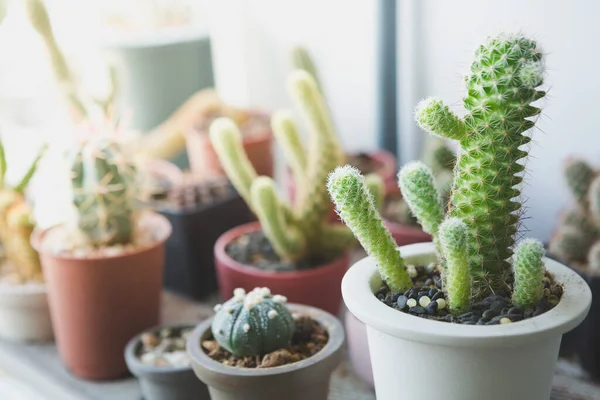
103 192
354 203
253 324
376 187
453 237
418 188
501 88
528 266
579 176
438 155
300 230
301 59
594 257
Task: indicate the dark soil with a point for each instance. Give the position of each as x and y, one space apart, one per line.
309 338
364 163
426 300
192 194
254 249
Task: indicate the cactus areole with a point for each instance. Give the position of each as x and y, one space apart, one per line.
254 323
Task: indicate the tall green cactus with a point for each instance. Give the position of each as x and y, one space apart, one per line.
103 192
501 87
299 230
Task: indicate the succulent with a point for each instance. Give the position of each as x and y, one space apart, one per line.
301 59
16 222
102 179
297 231
477 236
254 323
576 239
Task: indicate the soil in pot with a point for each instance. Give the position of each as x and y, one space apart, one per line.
426 300
255 250
165 348
309 338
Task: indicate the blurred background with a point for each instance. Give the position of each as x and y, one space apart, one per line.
242 47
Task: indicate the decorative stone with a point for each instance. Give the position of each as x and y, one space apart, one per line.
505 320
441 304
438 295
411 303
424 301
489 314
417 310
402 300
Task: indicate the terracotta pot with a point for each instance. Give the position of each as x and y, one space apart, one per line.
406 234
205 162
98 304
164 383
317 287
303 380
24 313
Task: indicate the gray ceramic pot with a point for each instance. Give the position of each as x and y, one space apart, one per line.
304 380
164 383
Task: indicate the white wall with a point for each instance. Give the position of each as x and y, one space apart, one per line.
437 38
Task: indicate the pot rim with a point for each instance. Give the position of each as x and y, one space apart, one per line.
265 136
360 299
253 226
140 369
38 235
334 327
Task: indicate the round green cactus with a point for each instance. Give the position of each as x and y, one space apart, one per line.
528 265
579 176
253 324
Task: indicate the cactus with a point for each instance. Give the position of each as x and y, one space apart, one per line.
477 236
297 231
579 176
253 324
354 204
453 236
301 59
501 88
16 222
529 273
594 257
103 195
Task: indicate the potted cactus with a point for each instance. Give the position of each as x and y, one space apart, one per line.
292 249
576 241
104 268
24 313
495 315
257 347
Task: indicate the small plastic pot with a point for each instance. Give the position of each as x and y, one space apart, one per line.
317 287
303 380
164 383
24 313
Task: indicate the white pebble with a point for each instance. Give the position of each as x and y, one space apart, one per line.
148 358
411 303
412 271
505 320
272 314
218 307
177 358
441 304
424 301
246 328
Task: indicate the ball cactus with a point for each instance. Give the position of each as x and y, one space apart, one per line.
103 191
253 324
296 231
477 236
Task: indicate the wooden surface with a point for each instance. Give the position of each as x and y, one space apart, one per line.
39 366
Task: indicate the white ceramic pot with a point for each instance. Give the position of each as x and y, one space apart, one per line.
24 313
412 356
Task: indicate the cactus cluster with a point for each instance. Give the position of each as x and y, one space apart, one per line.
297 231
254 323
576 239
17 224
477 237
102 180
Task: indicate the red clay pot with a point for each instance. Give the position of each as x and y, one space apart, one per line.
318 287
98 304
406 234
205 162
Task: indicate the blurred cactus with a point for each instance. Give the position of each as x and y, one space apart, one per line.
576 238
253 324
301 59
296 231
16 223
102 179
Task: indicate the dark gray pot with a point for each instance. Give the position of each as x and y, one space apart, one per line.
163 383
304 380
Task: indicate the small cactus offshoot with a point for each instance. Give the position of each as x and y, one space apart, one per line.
476 238
254 323
297 231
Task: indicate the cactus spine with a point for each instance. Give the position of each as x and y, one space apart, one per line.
16 223
453 236
529 273
354 203
253 324
103 194
296 231
501 88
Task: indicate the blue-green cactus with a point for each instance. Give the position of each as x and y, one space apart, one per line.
253 324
